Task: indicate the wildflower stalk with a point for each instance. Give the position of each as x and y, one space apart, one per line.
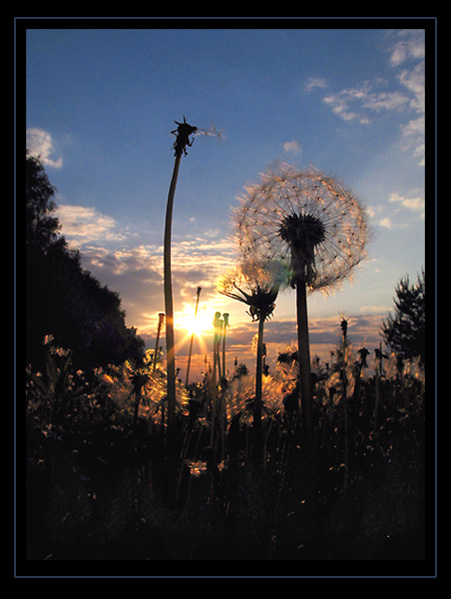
363 353
168 299
344 386
376 401
218 326
304 353
182 133
262 282
378 376
157 341
225 325
257 424
199 289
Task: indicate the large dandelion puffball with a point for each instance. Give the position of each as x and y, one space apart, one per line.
307 220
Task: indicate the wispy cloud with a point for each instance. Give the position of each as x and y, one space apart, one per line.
386 222
315 83
40 143
364 102
411 203
413 131
85 224
292 146
399 210
409 44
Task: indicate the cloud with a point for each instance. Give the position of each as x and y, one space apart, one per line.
395 213
340 104
136 272
413 132
385 101
86 225
362 101
410 46
409 52
315 83
378 310
416 203
39 143
414 81
292 146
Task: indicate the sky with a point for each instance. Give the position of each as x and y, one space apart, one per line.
100 107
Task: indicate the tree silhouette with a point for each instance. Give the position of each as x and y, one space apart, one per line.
41 227
62 298
404 330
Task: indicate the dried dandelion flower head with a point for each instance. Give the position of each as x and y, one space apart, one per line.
307 220
255 284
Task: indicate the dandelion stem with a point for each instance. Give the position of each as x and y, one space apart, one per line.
257 424
304 352
168 299
157 341
199 289
224 330
182 133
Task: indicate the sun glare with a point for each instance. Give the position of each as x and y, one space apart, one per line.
199 324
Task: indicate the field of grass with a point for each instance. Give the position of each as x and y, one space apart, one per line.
101 483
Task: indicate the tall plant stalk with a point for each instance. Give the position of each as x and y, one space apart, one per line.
305 387
182 133
157 341
378 376
199 289
261 281
257 423
168 298
224 330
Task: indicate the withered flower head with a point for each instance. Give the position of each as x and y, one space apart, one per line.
255 284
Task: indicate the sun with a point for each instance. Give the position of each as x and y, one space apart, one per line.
197 325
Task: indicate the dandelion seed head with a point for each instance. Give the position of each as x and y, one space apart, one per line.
311 223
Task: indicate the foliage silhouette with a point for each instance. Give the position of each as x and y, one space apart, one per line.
404 330
63 299
96 473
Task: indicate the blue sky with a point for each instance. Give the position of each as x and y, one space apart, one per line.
100 106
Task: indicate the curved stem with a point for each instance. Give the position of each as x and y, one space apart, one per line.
168 300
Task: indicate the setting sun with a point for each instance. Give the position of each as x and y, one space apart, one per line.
199 324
